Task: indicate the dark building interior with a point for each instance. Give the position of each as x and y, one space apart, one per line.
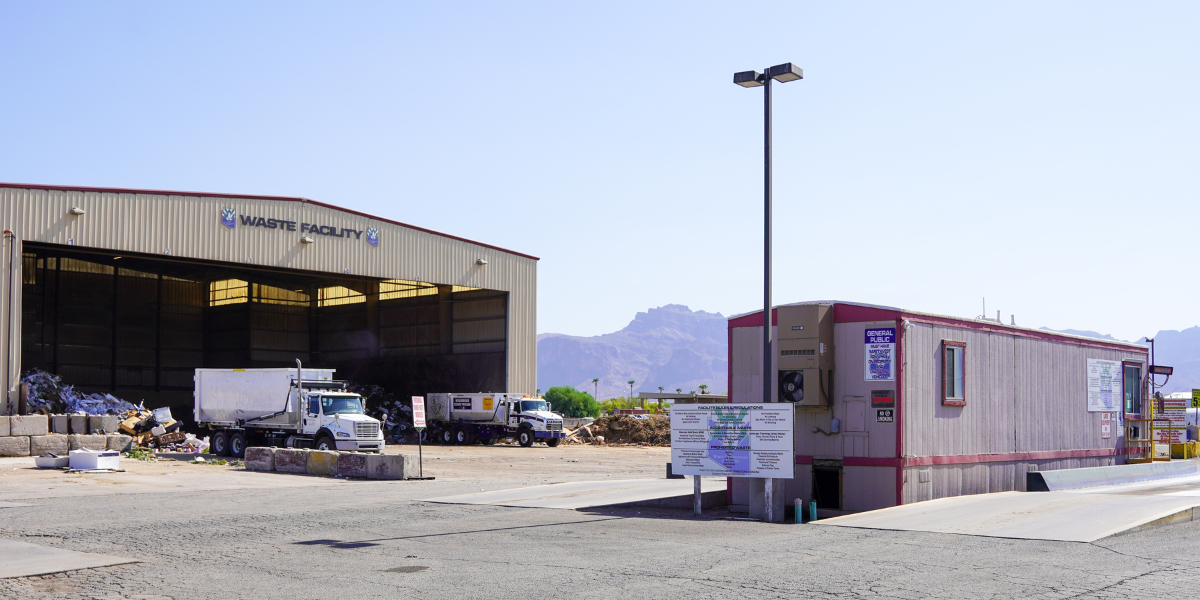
137 326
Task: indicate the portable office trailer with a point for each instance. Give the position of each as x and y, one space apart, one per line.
897 406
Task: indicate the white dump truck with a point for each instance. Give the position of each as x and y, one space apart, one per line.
487 418
290 408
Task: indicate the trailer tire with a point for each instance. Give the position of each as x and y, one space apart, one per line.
552 442
462 437
525 437
220 443
237 444
447 437
325 441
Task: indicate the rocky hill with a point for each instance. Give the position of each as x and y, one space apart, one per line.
669 346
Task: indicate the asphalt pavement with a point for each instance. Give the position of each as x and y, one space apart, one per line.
369 539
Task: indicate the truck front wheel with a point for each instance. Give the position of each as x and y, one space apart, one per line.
325 443
525 437
552 442
220 443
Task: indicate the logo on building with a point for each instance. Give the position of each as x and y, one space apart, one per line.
228 217
373 236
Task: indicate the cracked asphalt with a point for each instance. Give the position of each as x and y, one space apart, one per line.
367 539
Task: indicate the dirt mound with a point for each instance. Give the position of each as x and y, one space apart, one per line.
654 430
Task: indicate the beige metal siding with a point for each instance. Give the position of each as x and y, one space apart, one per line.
190 227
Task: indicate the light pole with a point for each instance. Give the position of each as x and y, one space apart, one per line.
782 73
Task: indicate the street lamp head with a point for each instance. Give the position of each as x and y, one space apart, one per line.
785 72
748 78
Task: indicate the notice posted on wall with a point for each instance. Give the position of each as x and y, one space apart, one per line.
881 354
733 440
1104 385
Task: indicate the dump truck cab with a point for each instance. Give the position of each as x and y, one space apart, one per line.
337 420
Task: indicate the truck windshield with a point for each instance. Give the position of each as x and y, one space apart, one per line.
533 405
341 405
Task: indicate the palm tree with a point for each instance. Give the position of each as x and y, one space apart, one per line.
703 388
596 383
660 391
678 390
630 382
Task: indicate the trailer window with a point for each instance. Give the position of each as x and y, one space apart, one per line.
953 373
341 405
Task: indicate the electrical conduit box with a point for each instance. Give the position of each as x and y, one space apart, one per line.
805 348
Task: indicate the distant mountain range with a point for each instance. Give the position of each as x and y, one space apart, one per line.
675 347
670 346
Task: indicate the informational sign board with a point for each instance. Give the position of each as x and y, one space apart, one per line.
418 403
1195 398
880 354
733 440
883 399
1106 425
1170 420
1104 385
885 415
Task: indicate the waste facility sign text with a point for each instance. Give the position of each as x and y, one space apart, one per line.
733 440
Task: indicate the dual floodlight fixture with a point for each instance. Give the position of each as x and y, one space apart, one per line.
781 73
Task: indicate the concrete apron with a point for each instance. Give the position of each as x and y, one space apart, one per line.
1074 515
656 493
23 560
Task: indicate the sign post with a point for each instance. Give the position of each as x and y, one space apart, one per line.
418 406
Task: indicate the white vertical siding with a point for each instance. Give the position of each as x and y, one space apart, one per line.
190 227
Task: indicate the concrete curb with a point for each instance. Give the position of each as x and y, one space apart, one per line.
328 463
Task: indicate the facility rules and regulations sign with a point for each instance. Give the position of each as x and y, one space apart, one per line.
881 354
1104 385
733 440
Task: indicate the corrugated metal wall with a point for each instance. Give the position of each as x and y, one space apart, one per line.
190 227
1023 395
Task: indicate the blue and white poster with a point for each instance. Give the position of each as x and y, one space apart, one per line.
733 440
881 354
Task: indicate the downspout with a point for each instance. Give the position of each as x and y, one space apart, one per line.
8 234
900 334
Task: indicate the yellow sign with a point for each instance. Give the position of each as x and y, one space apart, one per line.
487 404
1195 398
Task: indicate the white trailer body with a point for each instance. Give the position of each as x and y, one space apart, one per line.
230 397
275 407
488 417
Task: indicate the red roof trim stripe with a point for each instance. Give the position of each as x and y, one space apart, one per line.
107 190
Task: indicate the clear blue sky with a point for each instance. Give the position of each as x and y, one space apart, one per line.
1043 155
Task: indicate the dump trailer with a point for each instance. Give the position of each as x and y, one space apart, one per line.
487 418
290 408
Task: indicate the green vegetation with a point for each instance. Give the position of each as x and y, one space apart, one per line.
140 453
572 402
612 404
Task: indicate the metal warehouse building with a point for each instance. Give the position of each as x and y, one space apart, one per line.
128 291
896 406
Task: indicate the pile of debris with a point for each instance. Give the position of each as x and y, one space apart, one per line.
152 427
50 396
653 430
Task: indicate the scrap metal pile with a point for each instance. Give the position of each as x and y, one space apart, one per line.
49 395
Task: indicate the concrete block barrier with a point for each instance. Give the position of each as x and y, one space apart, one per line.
291 460
323 462
54 443
104 424
14 445
79 424
77 441
119 442
60 424
260 459
29 425
350 464
388 466
4 427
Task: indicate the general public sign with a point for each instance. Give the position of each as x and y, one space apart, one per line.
880 354
733 440
418 403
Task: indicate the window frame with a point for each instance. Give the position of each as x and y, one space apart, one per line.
1142 399
946 400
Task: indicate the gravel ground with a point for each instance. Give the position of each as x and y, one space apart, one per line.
231 534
